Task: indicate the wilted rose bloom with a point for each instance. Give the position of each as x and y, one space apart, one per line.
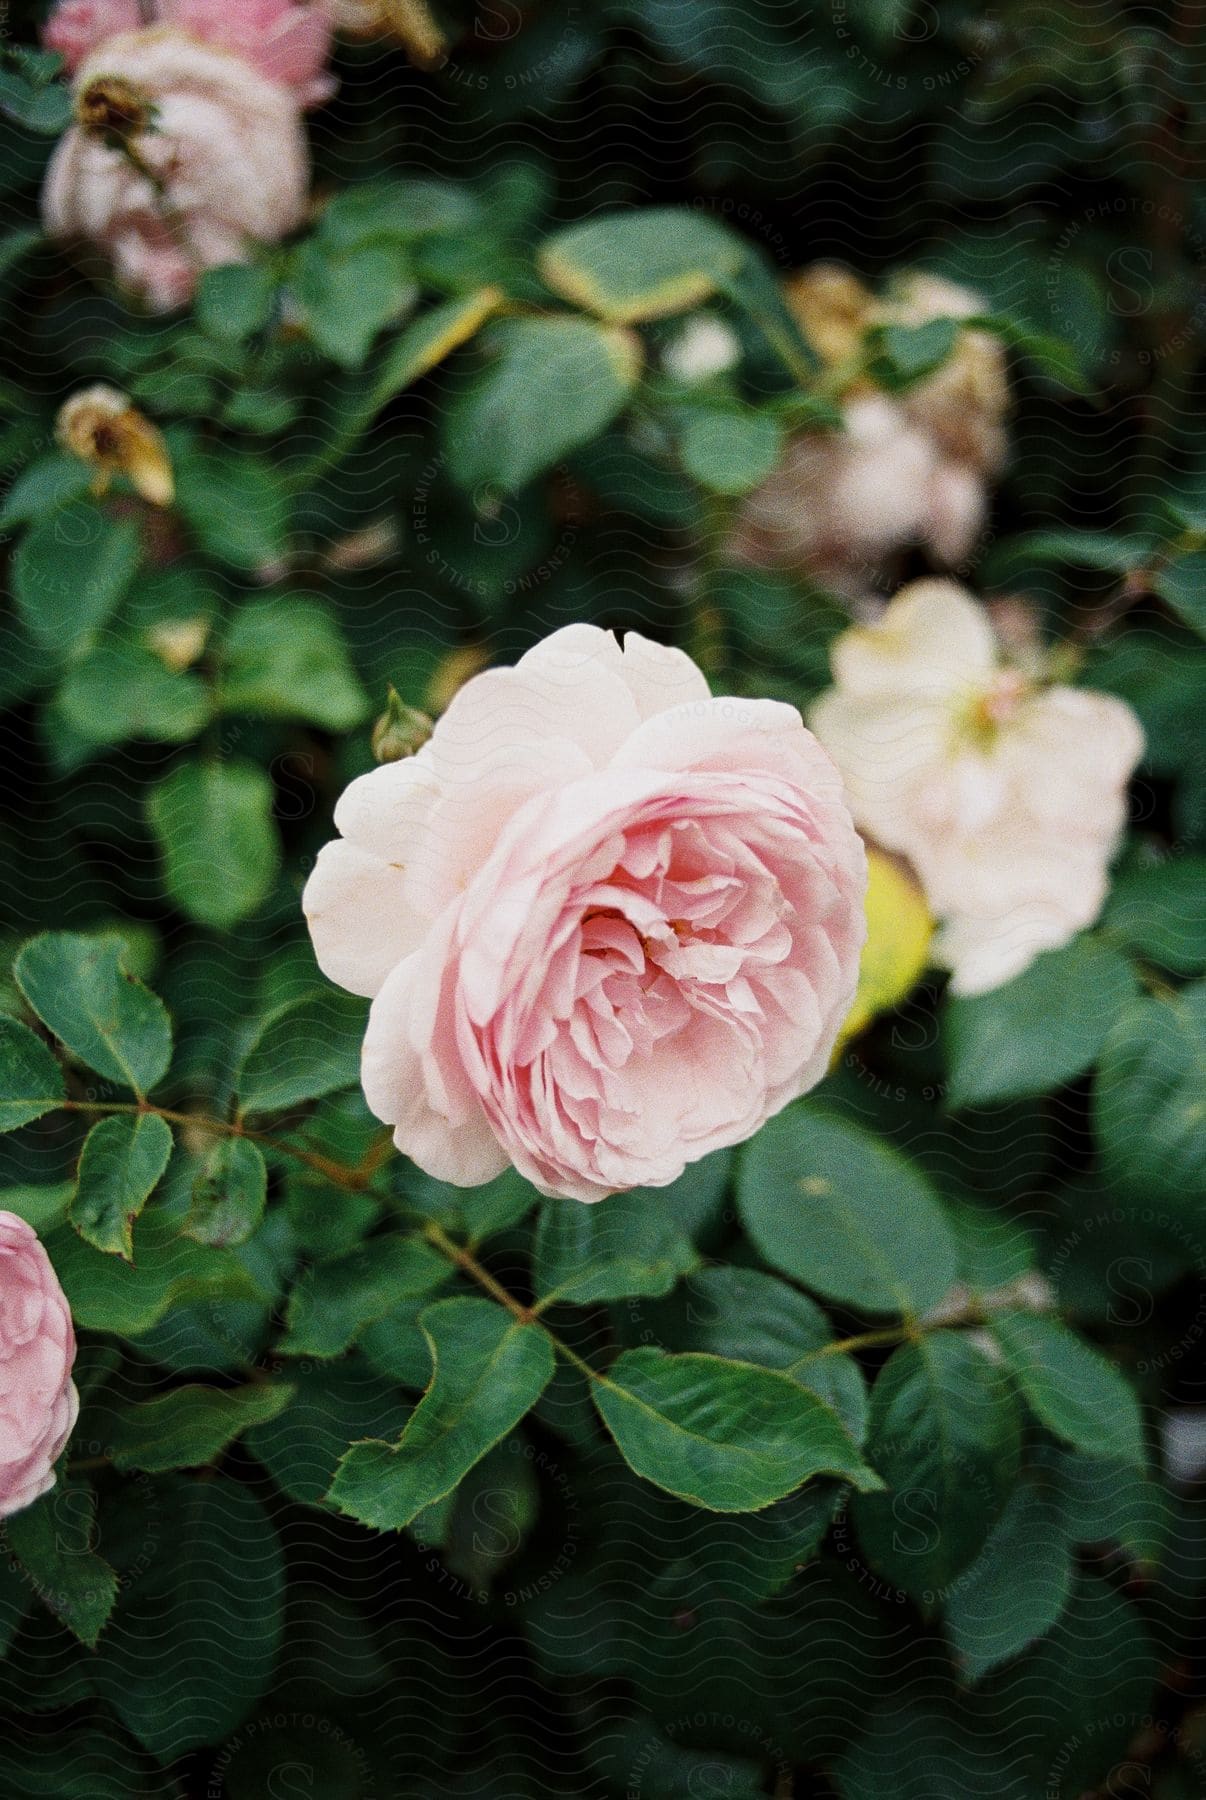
908 469
410 23
104 428
212 161
609 923
1007 795
38 1401
287 40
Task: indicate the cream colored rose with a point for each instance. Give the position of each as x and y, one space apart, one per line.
185 157
1007 796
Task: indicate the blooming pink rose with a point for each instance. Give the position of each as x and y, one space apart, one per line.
286 41
609 923
225 154
38 1401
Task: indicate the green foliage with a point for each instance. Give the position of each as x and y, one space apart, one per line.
102 1014
213 823
120 1163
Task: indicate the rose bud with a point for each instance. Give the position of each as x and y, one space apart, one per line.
608 923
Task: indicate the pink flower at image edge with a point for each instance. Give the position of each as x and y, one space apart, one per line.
608 922
38 1400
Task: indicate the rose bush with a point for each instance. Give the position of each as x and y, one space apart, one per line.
593 883
438 515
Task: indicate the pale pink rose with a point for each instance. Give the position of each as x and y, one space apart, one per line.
227 160
286 41
77 27
1007 794
609 923
38 1401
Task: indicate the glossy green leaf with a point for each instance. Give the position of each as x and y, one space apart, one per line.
945 1434
191 1425
333 1302
488 1370
229 1194
31 1081
348 295
237 505
71 569
214 826
1018 1585
1156 912
82 992
124 691
1038 1031
333 1406
551 384
641 264
235 300
730 452
1075 1391
108 1294
122 1159
302 1050
726 1435
284 659
1149 1114
53 1542
834 1207
626 1245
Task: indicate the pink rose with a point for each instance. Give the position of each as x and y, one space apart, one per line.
609 923
220 164
286 41
38 1401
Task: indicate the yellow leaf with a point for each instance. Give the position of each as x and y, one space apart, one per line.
899 929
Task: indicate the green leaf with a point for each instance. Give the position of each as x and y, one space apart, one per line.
235 301
1156 912
945 1435
427 340
285 659
730 452
44 1205
745 1315
301 1051
123 691
1182 584
43 486
624 1246
229 1194
647 264
333 1302
830 1205
31 1081
1018 1585
333 1406
725 1435
107 1294
1072 1388
122 1159
214 826
349 295
1149 1113
398 212
1055 362
195 1639
52 1541
913 351
71 568
1038 1031
237 505
81 991
190 1426
551 385
488 1370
